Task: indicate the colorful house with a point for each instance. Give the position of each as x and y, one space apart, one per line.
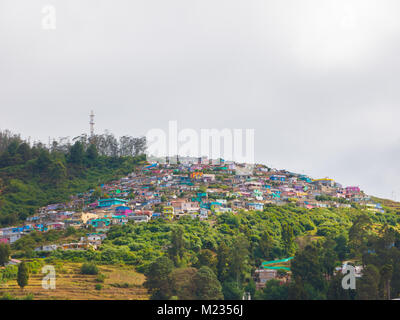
196 175
99 223
122 210
277 178
352 190
111 202
325 182
255 206
305 178
168 212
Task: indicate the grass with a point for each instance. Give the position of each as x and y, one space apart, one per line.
121 283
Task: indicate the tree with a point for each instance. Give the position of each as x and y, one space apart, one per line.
43 161
251 287
182 285
335 289
76 154
13 147
4 253
273 290
386 273
266 245
341 247
57 171
24 152
177 245
328 258
288 238
368 286
23 275
395 282
358 234
206 258
6 138
296 290
5 159
222 261
158 278
207 285
231 290
307 266
126 146
92 154
139 146
239 254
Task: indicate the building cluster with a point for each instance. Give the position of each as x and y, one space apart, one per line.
191 187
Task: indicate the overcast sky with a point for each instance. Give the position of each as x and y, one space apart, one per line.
318 80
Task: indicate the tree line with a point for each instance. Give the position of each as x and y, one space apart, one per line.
35 174
14 150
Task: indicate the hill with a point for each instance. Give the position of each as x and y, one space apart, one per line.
32 176
194 230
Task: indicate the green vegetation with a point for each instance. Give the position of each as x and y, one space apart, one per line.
377 251
189 258
8 273
89 268
34 176
325 197
25 246
101 277
234 245
23 275
98 286
4 253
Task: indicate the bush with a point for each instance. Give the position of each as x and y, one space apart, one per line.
101 277
8 273
124 285
98 286
89 268
7 296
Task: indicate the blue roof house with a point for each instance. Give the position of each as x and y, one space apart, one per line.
111 202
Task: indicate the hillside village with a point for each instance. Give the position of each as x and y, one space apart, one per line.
194 187
197 188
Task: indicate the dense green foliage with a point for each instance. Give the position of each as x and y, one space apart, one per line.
8 273
25 246
23 275
31 177
4 253
232 246
89 268
192 259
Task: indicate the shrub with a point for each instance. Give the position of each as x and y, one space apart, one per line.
7 296
101 277
98 286
89 268
124 285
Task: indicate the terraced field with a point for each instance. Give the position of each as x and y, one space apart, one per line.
121 283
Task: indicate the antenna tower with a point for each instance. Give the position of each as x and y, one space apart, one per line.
91 123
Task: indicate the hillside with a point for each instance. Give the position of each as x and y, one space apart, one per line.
121 283
32 176
185 224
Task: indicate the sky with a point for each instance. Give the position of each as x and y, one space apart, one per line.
317 80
